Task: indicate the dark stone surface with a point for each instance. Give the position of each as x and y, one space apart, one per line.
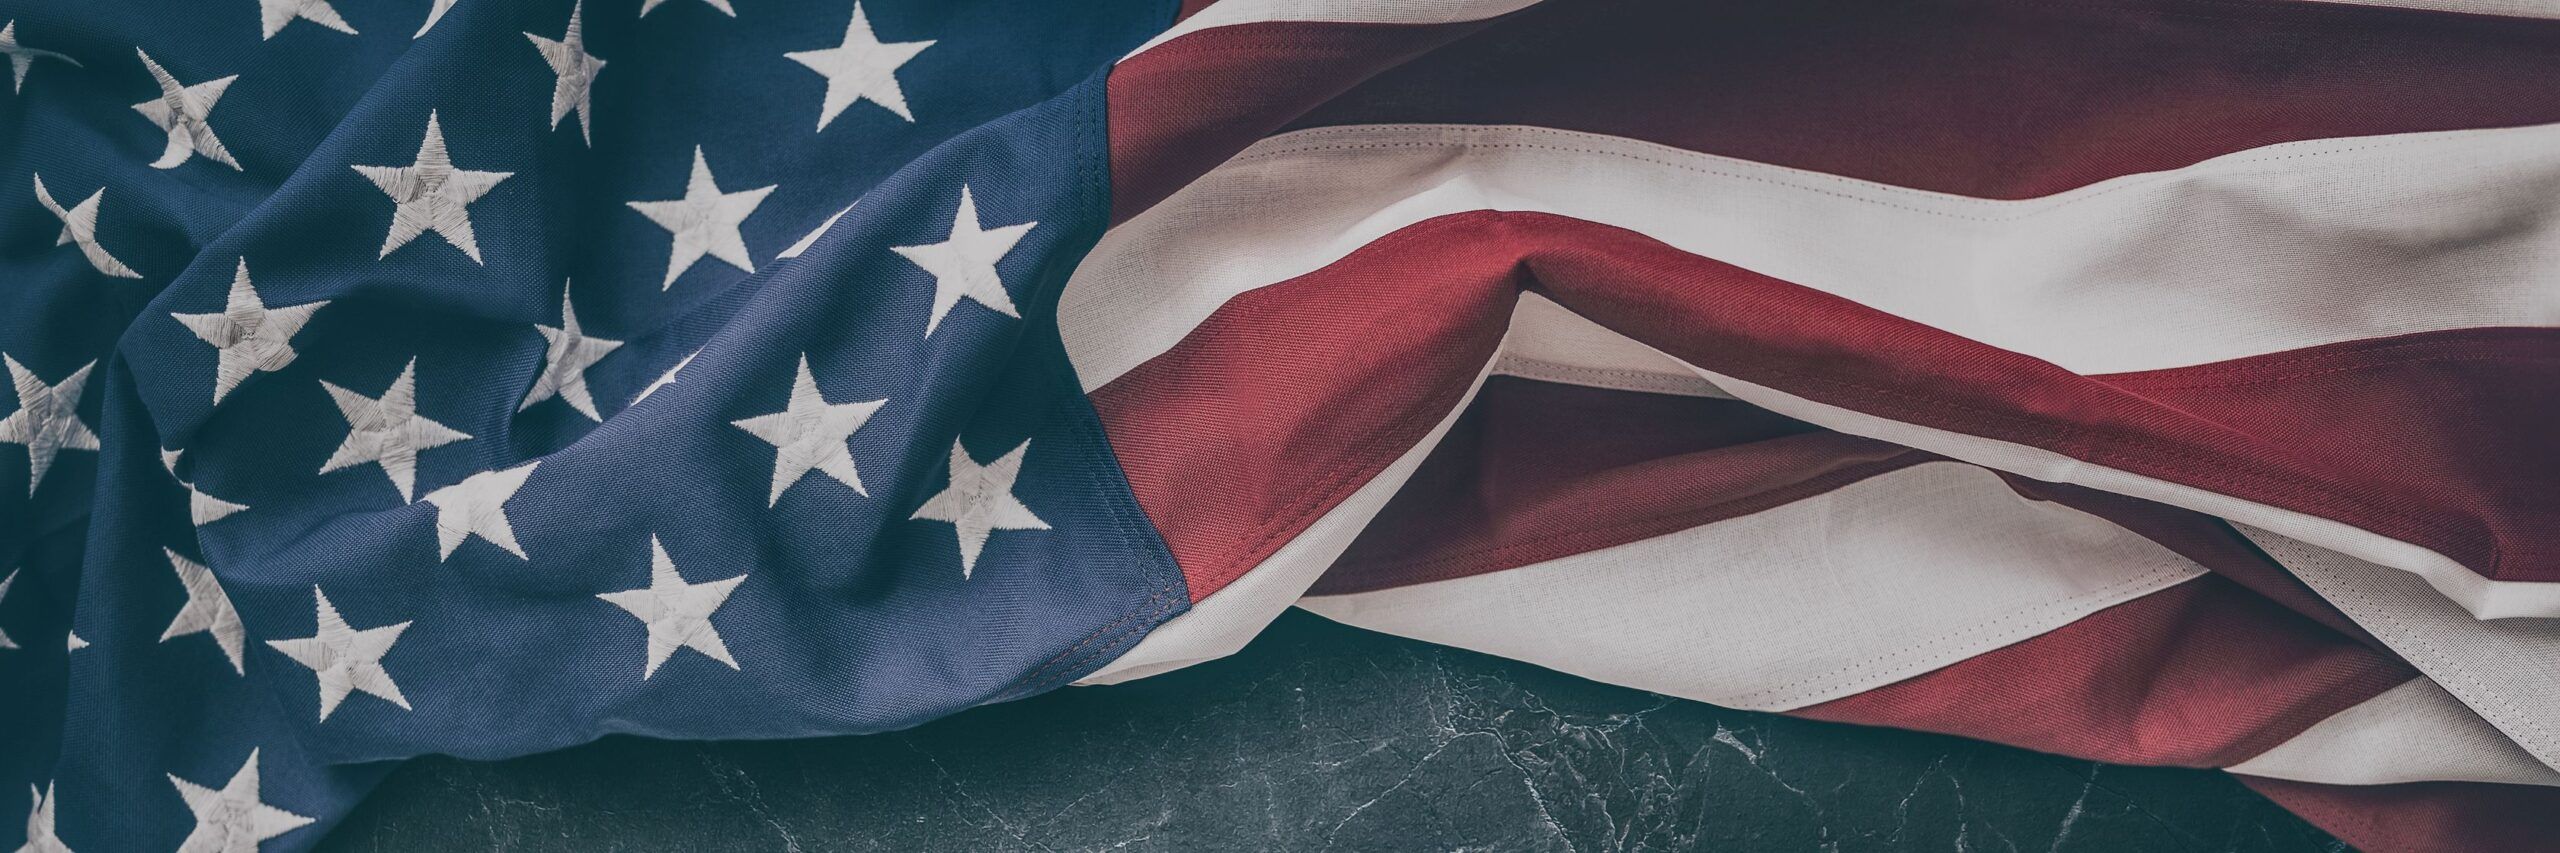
1321 737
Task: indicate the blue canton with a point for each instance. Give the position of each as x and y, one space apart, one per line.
483 377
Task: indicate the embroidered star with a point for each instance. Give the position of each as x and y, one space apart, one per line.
980 501
180 111
430 194
565 362
573 73
71 642
47 420
704 222
248 336
208 611
21 57
722 5
665 379
814 234
233 819
80 225
344 660
435 12
863 68
41 837
202 508
387 430
811 433
477 506
273 15
5 581
964 264
678 614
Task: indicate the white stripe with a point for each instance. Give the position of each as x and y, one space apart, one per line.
1878 581
1546 342
2505 8
1217 626
1228 13
2507 671
2262 251
2415 732
2484 598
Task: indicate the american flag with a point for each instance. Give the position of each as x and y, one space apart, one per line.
2166 382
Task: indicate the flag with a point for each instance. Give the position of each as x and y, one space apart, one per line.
2163 382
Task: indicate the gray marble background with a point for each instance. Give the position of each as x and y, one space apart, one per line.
1322 737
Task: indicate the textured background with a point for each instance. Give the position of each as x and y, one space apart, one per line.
1321 737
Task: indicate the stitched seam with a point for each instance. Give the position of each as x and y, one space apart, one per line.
2392 626
1475 135
2251 381
2473 336
1119 501
1601 377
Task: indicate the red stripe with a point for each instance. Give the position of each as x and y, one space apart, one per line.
2426 817
1535 471
1289 398
1291 395
2459 423
1184 106
1994 98
2202 674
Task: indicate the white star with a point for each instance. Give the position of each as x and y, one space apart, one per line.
665 379
180 111
247 335
573 73
722 5
47 420
863 68
21 57
233 819
814 234
477 506
705 221
274 14
980 501
964 264
5 581
41 837
204 509
678 614
80 225
71 642
809 433
565 362
344 660
388 430
430 194
435 12
208 610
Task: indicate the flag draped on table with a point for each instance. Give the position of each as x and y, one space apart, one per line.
2156 381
